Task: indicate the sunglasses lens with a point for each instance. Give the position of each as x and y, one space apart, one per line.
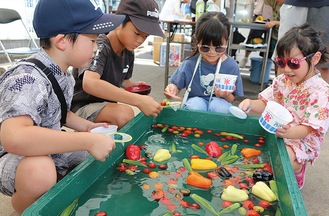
279 62
220 49
204 48
293 63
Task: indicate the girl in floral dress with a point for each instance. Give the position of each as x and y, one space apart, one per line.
303 92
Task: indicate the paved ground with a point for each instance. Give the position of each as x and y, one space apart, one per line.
315 192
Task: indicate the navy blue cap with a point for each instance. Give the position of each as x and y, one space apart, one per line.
53 17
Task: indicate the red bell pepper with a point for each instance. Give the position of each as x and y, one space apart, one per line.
213 149
133 152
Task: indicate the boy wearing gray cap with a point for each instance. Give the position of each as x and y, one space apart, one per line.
102 83
34 102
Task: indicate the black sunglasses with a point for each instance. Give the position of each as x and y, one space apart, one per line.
293 63
206 48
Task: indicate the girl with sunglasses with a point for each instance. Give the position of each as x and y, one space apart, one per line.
197 72
303 92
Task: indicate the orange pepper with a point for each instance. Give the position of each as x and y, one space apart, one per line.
197 180
250 152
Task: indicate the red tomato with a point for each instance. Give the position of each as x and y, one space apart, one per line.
189 132
226 203
247 204
143 159
255 160
242 185
229 137
142 147
261 141
182 169
245 141
101 213
174 127
132 168
198 132
222 139
217 134
176 214
146 170
171 181
212 175
165 201
184 204
209 131
252 213
178 175
158 194
249 180
162 166
163 103
257 145
170 130
264 204
152 165
171 207
184 135
172 190
194 157
122 169
194 206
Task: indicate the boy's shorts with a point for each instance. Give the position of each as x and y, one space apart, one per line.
91 111
9 163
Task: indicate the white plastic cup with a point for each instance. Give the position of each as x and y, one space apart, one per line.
105 130
274 116
225 82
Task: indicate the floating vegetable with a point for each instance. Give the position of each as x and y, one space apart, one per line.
204 203
229 208
250 152
197 180
213 149
262 176
133 152
229 160
224 173
203 164
231 134
161 155
133 162
234 195
261 190
199 149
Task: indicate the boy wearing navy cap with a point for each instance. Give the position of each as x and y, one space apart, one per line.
33 149
102 82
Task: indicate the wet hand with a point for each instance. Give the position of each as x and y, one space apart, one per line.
101 146
149 106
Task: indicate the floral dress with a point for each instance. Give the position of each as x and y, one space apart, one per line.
308 102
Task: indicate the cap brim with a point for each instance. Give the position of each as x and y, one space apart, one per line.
104 24
148 27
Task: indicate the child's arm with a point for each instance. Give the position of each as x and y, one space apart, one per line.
20 136
297 132
77 123
171 91
248 105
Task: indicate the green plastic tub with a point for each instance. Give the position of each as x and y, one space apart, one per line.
86 174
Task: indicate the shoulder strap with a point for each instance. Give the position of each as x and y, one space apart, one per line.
55 85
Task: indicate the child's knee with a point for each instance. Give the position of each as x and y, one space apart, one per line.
196 103
219 105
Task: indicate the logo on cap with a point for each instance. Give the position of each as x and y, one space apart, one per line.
93 2
154 13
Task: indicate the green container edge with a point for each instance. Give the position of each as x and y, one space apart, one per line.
61 195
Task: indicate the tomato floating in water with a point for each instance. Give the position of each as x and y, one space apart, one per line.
248 204
162 166
184 204
158 194
176 214
252 213
226 203
264 204
101 213
152 165
212 175
165 201
194 206
146 170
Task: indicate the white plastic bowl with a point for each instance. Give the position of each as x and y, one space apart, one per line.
274 116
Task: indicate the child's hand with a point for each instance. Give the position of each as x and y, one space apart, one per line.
245 105
282 132
95 125
223 94
101 146
171 91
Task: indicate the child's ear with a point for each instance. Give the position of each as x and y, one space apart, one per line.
316 58
60 42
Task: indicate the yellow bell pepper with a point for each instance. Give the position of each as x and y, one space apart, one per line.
161 155
261 190
234 195
203 164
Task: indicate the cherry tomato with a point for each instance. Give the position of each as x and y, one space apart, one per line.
223 139
194 206
163 103
249 180
264 204
143 159
255 160
209 131
170 130
226 203
217 134
146 170
101 213
184 204
182 169
171 181
162 166
184 135
194 157
257 145
152 165
229 137
176 214
142 147
198 132
245 141
212 175
248 204
165 201
158 194
252 213
242 185
178 175
189 132
171 207
122 168
122 165
132 168
261 141
174 127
